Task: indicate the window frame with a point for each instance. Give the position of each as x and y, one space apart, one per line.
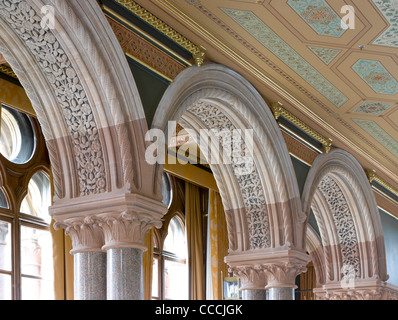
176 209
14 183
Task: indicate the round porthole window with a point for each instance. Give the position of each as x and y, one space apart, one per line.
17 136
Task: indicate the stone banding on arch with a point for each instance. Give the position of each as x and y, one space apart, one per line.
263 207
84 95
339 193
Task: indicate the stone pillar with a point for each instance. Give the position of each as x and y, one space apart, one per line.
252 280
108 242
125 243
268 274
281 279
89 258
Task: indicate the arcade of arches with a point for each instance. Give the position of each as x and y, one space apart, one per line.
90 89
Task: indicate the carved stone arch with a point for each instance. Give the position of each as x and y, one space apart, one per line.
262 206
315 249
340 195
88 106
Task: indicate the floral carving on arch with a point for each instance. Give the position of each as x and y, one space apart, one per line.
351 249
262 205
89 112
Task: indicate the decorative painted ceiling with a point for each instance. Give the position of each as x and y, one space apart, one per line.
335 71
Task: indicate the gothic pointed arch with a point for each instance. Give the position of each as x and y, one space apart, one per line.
262 204
339 194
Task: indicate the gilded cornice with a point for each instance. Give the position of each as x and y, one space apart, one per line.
7 71
278 111
196 51
372 176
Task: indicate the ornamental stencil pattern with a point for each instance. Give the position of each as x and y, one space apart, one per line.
374 108
376 76
248 180
345 226
379 134
327 55
319 16
71 96
389 9
268 38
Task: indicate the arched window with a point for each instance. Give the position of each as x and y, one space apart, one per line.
3 200
175 271
38 199
36 243
26 258
170 268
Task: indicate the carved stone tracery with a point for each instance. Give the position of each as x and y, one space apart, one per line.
248 181
345 226
68 89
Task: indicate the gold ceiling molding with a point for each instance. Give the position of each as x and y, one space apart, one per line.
256 72
8 71
198 52
372 176
278 111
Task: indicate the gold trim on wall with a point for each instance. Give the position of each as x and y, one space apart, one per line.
196 51
372 176
110 14
278 111
8 71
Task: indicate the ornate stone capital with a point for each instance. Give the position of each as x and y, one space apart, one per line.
269 268
85 233
126 229
252 277
283 275
118 219
358 290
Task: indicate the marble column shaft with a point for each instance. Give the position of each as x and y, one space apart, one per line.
125 274
90 276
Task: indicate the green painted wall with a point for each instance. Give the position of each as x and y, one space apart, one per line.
301 170
390 231
150 86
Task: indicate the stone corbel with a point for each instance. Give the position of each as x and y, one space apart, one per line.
85 233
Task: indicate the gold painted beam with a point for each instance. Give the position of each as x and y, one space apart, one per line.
15 96
191 173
